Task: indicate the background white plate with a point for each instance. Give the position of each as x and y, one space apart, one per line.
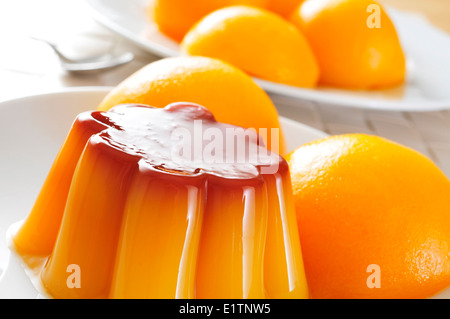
427 48
32 129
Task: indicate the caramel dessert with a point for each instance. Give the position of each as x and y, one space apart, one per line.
138 222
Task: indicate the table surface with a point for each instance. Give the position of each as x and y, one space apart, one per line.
436 11
30 67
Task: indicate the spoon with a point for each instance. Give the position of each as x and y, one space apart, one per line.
80 65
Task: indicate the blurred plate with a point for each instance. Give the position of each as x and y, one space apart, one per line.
427 48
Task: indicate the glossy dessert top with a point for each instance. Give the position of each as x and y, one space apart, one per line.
185 139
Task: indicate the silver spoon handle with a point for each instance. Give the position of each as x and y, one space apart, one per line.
53 46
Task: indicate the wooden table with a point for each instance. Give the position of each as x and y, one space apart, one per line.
436 11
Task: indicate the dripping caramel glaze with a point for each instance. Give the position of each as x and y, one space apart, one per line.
142 225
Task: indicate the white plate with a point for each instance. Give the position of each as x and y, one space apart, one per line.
427 48
32 129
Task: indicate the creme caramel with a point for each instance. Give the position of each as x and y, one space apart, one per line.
141 215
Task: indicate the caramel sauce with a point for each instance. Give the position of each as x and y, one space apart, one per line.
155 135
